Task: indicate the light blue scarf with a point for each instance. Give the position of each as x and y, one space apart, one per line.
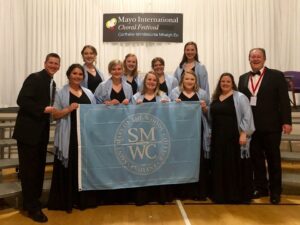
245 120
63 125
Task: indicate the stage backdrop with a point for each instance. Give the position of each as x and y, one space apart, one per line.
138 145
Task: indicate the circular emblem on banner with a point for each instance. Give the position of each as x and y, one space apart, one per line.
142 143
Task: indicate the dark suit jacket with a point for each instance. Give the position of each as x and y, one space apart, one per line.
32 100
273 107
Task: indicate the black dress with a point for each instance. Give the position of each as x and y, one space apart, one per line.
120 96
198 190
133 85
116 196
93 81
159 193
163 87
231 175
151 100
64 194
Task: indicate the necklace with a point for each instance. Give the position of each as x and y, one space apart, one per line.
76 91
226 95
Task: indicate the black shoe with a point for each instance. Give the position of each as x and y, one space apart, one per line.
38 216
200 198
258 194
275 199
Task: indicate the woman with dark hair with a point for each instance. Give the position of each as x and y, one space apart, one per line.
92 76
64 194
166 82
130 64
190 61
232 127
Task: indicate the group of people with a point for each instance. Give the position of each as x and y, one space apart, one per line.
241 128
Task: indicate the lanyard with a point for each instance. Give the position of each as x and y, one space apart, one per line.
254 88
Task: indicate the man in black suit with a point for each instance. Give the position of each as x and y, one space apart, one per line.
268 94
32 133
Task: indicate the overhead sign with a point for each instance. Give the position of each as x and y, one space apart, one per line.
156 27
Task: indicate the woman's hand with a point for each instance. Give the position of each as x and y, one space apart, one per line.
125 101
163 100
243 138
57 114
177 100
112 102
203 106
139 101
73 106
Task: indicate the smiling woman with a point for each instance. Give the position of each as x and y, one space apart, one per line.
232 127
115 90
150 91
92 75
130 64
64 190
166 82
190 61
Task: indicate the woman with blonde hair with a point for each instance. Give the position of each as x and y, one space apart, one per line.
189 90
150 94
115 90
150 91
130 64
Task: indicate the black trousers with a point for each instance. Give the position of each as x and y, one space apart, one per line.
265 155
32 161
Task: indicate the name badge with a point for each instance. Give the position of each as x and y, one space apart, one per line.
253 100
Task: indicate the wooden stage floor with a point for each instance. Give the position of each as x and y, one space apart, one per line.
259 212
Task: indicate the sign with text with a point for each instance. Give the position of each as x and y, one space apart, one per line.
156 27
138 145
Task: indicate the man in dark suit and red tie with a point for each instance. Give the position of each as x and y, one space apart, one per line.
31 131
268 94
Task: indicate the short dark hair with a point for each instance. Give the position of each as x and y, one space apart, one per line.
54 55
74 66
159 59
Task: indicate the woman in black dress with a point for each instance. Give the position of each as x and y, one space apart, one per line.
64 194
189 90
151 93
232 126
92 75
130 64
114 90
166 82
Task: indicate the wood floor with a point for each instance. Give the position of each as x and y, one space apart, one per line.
259 212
